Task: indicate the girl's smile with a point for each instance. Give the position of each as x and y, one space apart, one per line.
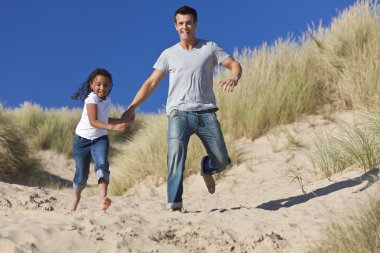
101 86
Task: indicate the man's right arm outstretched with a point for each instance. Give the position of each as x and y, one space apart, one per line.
144 92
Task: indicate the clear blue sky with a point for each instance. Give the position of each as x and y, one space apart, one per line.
48 47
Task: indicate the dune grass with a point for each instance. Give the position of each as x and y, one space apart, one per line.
17 162
53 129
356 145
47 128
272 91
356 234
333 67
327 158
145 156
327 67
31 128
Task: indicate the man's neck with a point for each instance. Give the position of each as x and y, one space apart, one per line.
189 44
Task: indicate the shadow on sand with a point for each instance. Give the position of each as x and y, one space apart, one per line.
43 179
370 176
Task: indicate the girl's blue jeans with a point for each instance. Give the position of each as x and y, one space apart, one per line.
83 150
181 126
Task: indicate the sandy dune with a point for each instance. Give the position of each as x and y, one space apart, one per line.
256 208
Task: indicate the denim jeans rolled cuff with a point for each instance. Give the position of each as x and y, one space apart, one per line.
174 205
105 174
83 150
208 167
99 174
79 187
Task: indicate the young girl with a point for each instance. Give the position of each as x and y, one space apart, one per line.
91 137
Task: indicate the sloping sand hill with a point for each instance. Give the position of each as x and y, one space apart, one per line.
259 205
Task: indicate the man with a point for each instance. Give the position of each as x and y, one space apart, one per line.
191 102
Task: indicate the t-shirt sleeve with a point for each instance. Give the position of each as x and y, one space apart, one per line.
218 52
91 99
162 63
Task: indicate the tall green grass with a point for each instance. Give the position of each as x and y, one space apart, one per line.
333 67
272 91
145 156
336 66
47 128
360 233
53 129
327 157
355 145
17 162
327 67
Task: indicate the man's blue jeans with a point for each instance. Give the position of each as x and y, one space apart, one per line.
181 126
83 150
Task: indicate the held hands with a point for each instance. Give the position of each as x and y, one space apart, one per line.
128 115
119 127
228 85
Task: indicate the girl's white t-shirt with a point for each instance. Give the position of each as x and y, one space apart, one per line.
84 128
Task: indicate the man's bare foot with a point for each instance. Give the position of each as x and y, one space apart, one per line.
106 202
209 180
210 183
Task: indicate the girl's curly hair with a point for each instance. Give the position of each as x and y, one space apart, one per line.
85 87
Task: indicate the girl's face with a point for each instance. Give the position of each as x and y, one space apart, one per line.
101 86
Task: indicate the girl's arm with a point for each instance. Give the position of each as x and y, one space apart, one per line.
92 113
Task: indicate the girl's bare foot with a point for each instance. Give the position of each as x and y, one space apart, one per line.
106 202
74 204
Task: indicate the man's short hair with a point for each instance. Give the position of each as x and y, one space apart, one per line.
186 10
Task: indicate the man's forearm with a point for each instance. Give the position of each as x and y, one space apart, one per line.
236 71
144 92
146 89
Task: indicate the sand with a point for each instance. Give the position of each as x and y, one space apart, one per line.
257 206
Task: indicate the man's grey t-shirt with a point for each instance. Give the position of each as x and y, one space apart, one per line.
190 75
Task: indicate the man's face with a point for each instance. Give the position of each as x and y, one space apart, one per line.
185 26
